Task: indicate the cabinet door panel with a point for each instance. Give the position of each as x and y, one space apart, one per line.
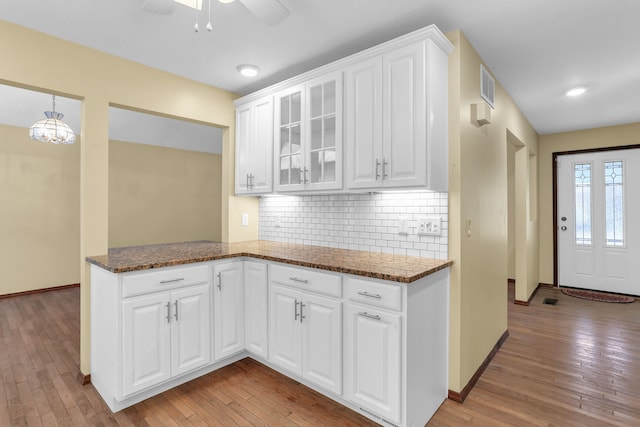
284 329
405 139
373 370
244 142
228 310
190 329
363 124
322 341
261 148
146 342
289 159
256 297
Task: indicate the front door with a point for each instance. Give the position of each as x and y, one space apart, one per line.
598 208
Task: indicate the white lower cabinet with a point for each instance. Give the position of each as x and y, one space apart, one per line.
306 335
166 335
148 328
376 346
373 352
228 308
256 313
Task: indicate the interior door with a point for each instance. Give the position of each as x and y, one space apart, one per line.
598 232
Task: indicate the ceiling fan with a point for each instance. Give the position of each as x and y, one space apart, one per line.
269 11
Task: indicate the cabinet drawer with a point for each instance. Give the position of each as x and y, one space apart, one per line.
374 293
159 280
309 280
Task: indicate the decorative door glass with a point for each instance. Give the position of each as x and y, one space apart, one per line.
290 154
614 203
582 191
322 149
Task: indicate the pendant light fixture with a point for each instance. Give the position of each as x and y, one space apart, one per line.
52 129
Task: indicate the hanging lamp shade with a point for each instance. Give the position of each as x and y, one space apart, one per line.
52 129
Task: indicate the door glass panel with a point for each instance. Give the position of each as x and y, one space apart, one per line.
316 101
296 166
284 169
614 203
329 165
296 107
582 189
295 139
284 111
316 134
330 98
285 147
330 132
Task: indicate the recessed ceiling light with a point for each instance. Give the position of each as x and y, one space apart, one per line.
226 1
248 70
576 91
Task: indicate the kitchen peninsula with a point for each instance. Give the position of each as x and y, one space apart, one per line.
368 330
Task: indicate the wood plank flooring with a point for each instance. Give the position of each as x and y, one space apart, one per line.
573 364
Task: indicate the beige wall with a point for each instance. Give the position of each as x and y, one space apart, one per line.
39 212
611 136
161 195
478 194
100 81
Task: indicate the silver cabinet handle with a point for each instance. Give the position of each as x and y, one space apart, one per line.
248 182
295 279
168 312
377 169
176 313
220 281
295 311
179 279
370 316
384 169
367 294
301 315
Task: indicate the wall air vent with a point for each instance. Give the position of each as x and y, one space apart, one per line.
487 86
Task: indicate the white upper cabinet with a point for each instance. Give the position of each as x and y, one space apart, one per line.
308 138
385 108
391 140
254 147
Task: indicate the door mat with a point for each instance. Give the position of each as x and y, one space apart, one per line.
597 296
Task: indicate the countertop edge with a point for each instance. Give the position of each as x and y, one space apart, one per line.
345 270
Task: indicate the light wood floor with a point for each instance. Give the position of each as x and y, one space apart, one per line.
574 364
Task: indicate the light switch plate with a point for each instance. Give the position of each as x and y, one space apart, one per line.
403 225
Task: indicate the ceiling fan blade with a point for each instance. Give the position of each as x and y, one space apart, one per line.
270 11
161 7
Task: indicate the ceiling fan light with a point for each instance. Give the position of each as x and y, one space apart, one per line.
248 70
576 91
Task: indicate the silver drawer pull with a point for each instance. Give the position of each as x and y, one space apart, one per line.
367 294
370 316
162 282
295 279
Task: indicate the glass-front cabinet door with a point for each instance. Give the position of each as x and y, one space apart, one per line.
324 106
309 135
289 149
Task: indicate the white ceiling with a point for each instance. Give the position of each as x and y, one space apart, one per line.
537 49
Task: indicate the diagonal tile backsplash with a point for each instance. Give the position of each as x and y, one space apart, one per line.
366 222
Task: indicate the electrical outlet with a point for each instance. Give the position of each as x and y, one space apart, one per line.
429 226
278 223
245 219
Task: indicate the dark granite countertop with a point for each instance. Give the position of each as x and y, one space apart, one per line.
397 268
